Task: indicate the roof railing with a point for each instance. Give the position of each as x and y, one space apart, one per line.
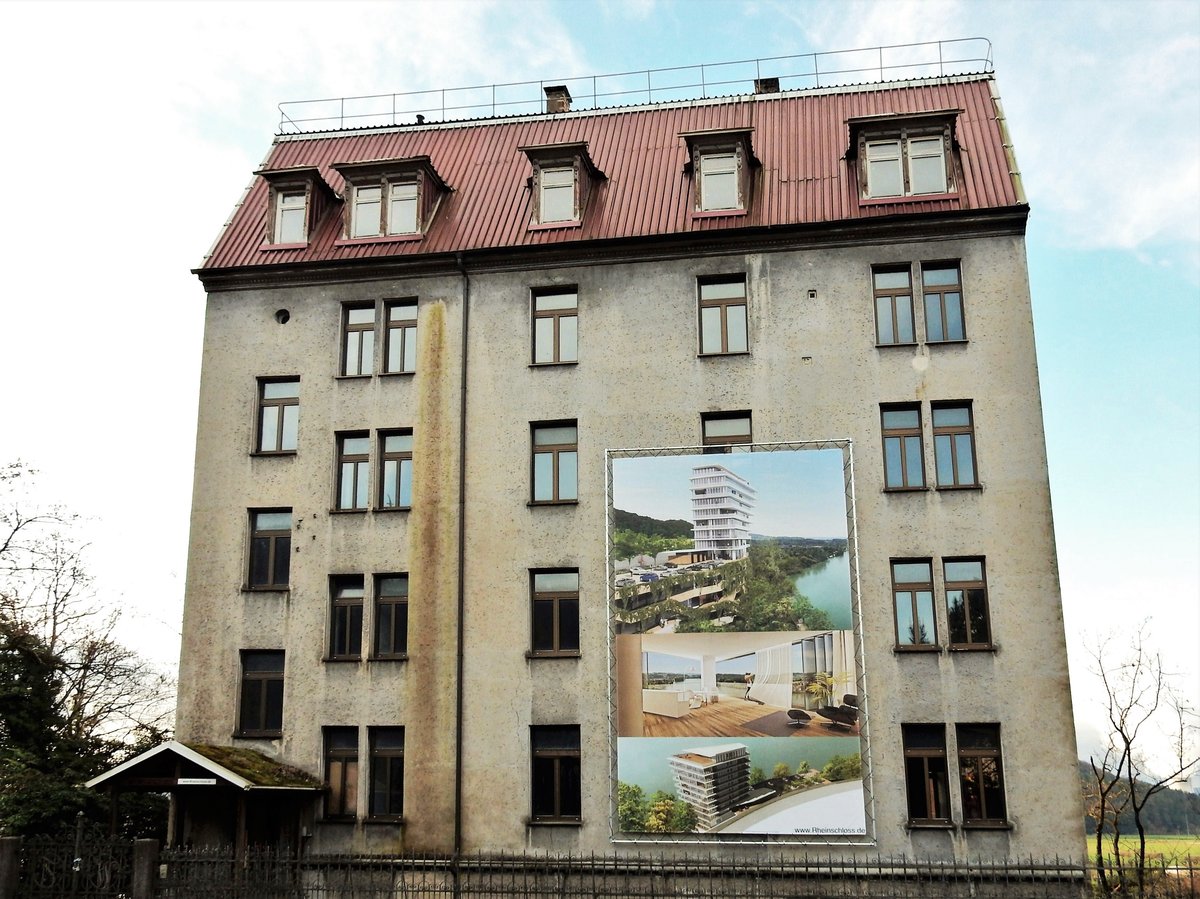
896 62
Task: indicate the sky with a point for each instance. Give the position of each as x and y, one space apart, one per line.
158 113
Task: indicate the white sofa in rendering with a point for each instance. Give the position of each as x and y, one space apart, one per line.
671 703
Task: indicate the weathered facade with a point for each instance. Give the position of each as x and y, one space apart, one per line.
422 340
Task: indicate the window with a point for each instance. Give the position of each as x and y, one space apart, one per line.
966 603
909 164
954 446
556 773
391 616
354 471
387 208
721 429
903 458
270 549
400 349
723 316
555 462
395 483
925 776
358 343
291 208
261 713
557 194
555 327
942 287
387 773
981 775
912 589
341 772
719 181
345 629
893 307
556 613
278 415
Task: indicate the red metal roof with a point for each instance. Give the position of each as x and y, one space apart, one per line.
800 138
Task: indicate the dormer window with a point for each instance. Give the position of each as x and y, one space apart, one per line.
296 199
390 198
562 180
912 157
722 163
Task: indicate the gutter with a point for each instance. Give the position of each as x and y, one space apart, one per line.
1010 154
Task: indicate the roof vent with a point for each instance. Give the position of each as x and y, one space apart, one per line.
558 98
420 119
766 85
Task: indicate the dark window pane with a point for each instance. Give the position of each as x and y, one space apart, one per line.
980 632
274 705
251 705
551 737
543 625
260 554
543 787
569 787
568 624
283 554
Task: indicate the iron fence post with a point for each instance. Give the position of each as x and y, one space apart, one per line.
144 877
10 866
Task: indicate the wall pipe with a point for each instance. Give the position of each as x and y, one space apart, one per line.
462 545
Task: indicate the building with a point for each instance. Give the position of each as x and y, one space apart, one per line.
712 779
722 504
423 339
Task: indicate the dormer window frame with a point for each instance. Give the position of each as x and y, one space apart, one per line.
553 160
711 154
284 185
389 177
894 145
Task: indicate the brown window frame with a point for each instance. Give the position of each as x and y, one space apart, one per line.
903 434
893 296
972 763
949 436
969 604
927 764
341 765
383 768
556 317
358 466
276 408
399 457
347 594
278 540
363 352
256 692
556 451
913 588
401 333
396 603
560 602
564 764
723 305
727 443
939 293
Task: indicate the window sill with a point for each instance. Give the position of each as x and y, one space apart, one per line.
987 825
341 660
361 511
398 657
911 198
395 821
954 487
930 825
905 489
722 355
345 377
904 650
553 364
272 247
962 342
902 346
396 374
718 213
264 588
551 226
542 503
339 820
268 454
389 509
556 822
564 654
972 647
255 735
378 238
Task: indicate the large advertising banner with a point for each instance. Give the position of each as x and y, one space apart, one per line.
735 669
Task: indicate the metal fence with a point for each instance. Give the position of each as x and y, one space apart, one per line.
104 869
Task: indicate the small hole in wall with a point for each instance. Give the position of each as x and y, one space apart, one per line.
282 316
812 294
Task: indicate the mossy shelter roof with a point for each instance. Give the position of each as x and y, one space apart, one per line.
173 764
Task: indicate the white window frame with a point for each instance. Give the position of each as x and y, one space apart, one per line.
713 165
897 150
549 186
285 212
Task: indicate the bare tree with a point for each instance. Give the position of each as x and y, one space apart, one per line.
105 695
1142 703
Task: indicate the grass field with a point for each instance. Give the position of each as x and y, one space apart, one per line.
1170 847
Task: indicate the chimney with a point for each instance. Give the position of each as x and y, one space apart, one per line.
766 85
558 98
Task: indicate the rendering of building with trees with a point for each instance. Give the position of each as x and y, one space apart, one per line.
439 355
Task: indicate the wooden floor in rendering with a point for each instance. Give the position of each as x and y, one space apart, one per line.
724 718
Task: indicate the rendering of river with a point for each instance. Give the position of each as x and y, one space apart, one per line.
828 588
